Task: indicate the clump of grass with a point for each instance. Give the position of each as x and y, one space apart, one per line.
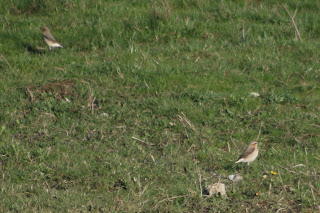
30 7
160 12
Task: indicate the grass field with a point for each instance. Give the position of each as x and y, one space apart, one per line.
150 101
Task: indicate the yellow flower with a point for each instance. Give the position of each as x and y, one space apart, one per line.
257 194
273 173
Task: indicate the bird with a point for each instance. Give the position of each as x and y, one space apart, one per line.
250 153
49 39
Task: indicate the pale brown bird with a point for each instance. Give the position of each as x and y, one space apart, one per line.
250 153
49 39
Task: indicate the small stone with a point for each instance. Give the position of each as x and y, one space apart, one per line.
254 94
235 178
216 188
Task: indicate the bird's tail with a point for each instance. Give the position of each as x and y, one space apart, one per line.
239 161
57 45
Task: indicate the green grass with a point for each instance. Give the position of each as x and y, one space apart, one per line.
149 100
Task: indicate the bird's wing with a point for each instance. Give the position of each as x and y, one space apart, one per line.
49 37
247 152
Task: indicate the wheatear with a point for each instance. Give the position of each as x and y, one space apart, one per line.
250 153
49 39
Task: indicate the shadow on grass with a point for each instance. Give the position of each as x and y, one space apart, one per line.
33 50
